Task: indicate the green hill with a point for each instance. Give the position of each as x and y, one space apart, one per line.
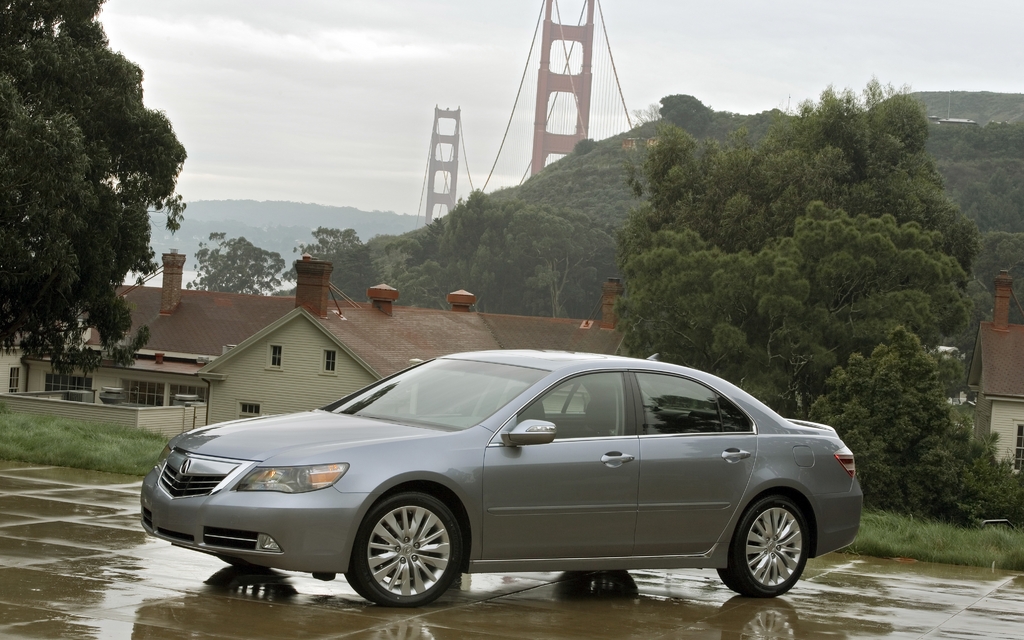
983 166
591 179
981 106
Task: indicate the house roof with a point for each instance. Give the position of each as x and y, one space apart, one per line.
204 321
1000 370
388 342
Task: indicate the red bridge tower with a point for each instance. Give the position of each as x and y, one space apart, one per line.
550 82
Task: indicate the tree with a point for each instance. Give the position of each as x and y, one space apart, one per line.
82 162
686 112
652 113
864 155
516 258
354 271
770 264
237 266
913 456
777 321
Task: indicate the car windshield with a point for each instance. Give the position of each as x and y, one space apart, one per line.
450 393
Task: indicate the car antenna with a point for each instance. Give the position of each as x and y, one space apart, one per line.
654 356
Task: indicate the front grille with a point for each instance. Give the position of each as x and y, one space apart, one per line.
185 486
233 538
147 517
177 535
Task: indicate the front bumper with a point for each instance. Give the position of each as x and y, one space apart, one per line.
314 530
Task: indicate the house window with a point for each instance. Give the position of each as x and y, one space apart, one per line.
330 360
57 382
248 409
184 389
14 386
1018 458
275 355
150 394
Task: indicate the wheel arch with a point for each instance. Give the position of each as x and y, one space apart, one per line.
801 501
449 498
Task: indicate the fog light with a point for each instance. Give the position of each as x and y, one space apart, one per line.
266 543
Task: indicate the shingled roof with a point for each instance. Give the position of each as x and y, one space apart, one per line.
997 368
185 323
204 321
388 342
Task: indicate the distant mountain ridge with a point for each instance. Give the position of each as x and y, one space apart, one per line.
272 225
284 213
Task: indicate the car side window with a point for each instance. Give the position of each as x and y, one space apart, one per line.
733 420
587 406
677 405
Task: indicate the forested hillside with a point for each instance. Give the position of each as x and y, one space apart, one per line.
496 244
981 106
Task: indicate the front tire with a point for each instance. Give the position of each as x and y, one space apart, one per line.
768 551
407 552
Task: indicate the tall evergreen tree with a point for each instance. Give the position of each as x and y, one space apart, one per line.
82 162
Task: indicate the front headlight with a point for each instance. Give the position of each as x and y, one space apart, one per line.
163 455
292 479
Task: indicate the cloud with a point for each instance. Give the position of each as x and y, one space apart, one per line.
238 38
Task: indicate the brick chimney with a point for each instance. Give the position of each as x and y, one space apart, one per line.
461 300
1004 289
313 284
170 292
382 296
610 292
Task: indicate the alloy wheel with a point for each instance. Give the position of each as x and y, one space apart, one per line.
774 546
408 550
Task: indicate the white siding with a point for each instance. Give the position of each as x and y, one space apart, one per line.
8 360
982 415
166 421
298 385
1006 415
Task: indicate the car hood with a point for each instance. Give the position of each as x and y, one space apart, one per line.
307 433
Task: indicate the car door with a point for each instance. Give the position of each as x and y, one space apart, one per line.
574 497
697 452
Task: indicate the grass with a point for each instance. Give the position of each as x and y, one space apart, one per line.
888 535
63 442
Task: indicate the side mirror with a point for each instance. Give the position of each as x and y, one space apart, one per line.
529 432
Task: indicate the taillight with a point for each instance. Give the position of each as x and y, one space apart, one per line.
845 458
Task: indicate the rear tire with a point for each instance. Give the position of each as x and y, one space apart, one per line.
769 547
407 551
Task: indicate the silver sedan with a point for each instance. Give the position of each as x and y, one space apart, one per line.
514 461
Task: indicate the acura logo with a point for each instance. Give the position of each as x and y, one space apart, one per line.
185 466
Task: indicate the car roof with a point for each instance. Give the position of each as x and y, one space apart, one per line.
559 360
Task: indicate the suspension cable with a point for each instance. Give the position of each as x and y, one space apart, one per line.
608 43
522 80
465 156
140 283
426 172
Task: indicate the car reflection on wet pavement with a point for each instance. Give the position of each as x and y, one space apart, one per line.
74 563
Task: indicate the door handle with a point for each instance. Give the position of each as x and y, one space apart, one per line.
734 455
615 459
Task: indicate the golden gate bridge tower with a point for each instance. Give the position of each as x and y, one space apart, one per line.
578 96
443 165
575 87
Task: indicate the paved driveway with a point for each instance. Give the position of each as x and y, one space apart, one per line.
74 563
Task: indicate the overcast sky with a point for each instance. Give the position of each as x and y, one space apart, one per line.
331 101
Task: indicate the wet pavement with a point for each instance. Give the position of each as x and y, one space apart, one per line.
75 563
